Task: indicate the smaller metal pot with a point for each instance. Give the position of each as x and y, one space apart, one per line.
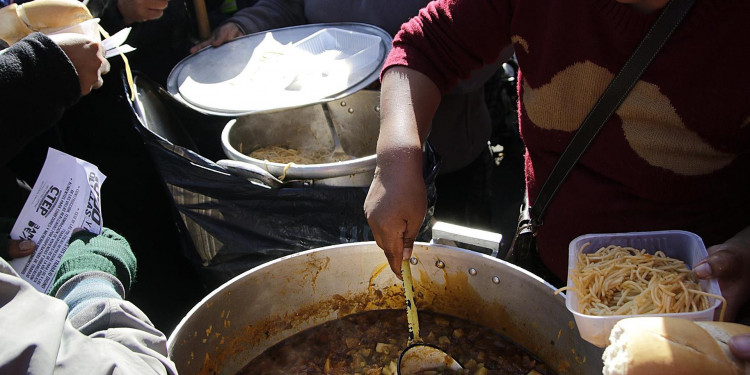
355 120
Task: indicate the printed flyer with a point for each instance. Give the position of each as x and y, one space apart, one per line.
65 197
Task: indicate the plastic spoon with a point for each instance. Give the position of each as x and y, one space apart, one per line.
419 356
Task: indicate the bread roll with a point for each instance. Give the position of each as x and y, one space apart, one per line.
46 16
665 346
12 29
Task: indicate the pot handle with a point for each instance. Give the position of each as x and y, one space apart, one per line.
251 172
447 234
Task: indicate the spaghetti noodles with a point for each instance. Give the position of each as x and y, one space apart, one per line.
618 280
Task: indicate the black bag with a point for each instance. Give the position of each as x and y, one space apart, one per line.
522 251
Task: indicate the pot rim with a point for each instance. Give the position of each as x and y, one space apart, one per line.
228 284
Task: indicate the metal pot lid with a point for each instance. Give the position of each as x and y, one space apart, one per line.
281 69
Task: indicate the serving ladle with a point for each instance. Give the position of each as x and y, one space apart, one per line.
419 356
338 153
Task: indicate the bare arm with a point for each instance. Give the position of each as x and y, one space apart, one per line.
396 203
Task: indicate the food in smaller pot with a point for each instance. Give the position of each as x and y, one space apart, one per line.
284 155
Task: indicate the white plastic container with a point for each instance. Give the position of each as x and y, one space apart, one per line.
682 245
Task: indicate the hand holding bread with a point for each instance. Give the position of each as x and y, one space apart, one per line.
87 57
50 17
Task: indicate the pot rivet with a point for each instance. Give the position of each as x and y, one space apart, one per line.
377 108
343 104
413 260
495 279
472 271
350 110
439 264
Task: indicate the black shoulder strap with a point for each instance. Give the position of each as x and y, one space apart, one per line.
615 93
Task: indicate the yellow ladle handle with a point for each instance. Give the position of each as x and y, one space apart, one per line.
411 307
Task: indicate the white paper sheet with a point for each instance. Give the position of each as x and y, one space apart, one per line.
65 196
114 44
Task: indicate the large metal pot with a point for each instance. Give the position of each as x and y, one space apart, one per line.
269 303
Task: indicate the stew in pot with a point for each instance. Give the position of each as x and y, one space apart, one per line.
370 343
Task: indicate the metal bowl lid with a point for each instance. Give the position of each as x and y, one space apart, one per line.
281 69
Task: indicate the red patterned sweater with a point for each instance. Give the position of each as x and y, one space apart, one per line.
675 155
